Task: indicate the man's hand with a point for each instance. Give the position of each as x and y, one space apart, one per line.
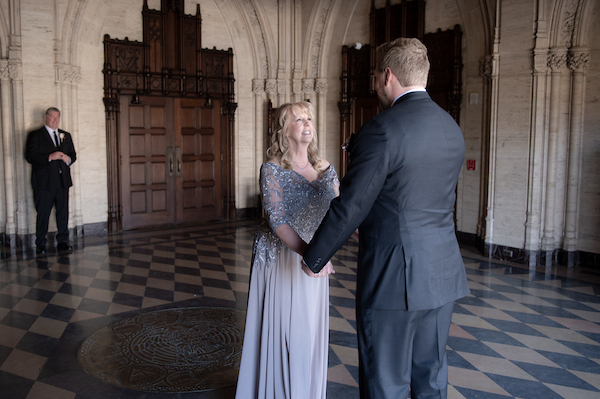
59 156
326 270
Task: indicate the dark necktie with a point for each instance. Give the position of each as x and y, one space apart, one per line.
56 142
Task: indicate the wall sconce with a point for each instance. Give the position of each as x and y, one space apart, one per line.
135 99
208 101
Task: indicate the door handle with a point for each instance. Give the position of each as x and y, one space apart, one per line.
178 158
170 155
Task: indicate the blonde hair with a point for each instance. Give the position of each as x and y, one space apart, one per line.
407 59
280 148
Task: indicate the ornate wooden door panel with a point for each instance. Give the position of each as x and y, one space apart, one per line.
171 161
146 189
169 153
198 138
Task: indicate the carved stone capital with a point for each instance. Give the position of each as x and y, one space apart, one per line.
15 71
297 86
485 67
281 86
557 61
271 86
68 74
4 69
308 86
258 86
540 61
578 61
321 86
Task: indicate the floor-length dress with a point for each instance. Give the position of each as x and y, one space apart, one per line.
285 349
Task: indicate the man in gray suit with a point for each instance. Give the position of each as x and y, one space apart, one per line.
399 192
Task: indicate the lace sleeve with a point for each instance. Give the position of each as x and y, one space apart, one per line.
335 182
272 197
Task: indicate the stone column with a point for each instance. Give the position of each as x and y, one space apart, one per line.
67 78
577 61
557 62
537 140
494 100
15 69
8 153
485 71
321 90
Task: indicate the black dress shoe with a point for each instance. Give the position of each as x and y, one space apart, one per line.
64 247
40 250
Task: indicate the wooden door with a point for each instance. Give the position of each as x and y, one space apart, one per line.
146 133
363 109
170 161
198 141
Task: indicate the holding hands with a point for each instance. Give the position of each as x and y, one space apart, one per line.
326 270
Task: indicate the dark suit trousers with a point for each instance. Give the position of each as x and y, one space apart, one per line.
44 201
399 350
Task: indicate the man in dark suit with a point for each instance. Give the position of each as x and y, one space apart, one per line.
51 153
399 192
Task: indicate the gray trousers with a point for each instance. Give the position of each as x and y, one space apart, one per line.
399 350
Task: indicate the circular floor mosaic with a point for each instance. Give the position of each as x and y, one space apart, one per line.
175 350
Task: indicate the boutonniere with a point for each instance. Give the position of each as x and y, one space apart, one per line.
61 136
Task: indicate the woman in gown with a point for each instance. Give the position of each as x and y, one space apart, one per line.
287 321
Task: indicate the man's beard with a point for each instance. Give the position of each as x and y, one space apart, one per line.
384 103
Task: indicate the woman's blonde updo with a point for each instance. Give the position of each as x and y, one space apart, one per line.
279 148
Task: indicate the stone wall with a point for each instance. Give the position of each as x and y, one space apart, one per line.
289 53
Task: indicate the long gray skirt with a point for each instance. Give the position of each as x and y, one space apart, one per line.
287 328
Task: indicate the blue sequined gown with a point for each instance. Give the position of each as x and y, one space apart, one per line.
287 322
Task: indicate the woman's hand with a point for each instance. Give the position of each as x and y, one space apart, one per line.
326 270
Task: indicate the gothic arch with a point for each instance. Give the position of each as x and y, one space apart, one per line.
70 37
566 23
589 11
318 39
263 36
478 27
255 44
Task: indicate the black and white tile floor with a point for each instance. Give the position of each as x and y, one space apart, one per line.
521 333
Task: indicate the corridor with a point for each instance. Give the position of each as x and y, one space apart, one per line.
519 334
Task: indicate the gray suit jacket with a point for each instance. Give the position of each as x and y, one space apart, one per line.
400 192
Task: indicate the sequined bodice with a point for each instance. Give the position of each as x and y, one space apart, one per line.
287 197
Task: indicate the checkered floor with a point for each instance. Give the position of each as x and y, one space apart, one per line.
520 334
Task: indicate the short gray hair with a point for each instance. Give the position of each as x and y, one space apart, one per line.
52 109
